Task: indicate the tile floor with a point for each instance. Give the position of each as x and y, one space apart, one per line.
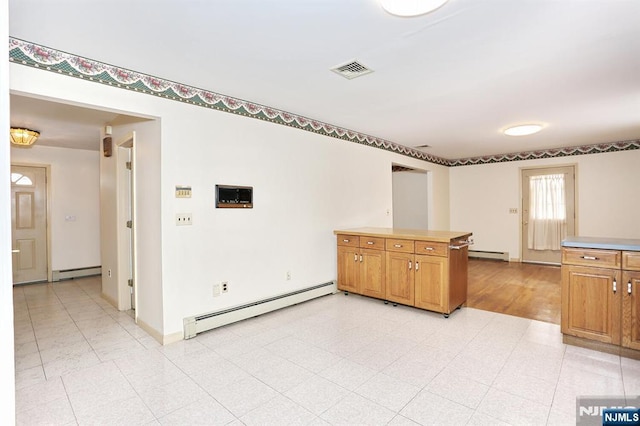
334 360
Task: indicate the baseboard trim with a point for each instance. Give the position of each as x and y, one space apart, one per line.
111 301
158 336
601 347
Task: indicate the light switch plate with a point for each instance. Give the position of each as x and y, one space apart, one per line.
183 191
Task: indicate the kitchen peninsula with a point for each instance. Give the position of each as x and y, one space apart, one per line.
601 294
421 268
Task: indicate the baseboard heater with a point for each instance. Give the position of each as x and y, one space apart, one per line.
200 323
494 255
68 274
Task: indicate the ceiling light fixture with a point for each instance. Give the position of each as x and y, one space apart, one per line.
23 137
409 8
523 130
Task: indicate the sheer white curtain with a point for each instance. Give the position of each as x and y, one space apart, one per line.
547 212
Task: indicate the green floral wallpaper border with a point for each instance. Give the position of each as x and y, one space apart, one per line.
41 57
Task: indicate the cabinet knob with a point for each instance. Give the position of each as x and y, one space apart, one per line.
615 286
429 248
589 258
417 265
409 265
629 287
345 240
370 243
397 245
360 258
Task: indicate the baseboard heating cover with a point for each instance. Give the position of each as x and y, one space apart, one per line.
495 255
67 274
200 323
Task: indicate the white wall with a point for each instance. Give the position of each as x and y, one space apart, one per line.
7 372
74 191
305 186
410 200
607 204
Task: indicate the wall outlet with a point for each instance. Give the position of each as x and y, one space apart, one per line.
288 275
216 290
109 273
225 286
513 210
183 219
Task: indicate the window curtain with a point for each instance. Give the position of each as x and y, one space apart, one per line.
547 212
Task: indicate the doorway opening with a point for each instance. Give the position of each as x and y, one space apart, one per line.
410 199
548 212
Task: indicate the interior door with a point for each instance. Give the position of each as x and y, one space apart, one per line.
546 255
29 224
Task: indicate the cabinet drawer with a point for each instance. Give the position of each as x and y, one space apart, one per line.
591 257
631 260
348 240
432 248
404 246
372 242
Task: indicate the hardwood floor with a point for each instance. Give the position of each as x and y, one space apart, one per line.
520 289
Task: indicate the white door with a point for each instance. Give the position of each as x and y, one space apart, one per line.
29 224
548 212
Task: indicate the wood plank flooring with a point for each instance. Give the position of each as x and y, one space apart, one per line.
520 289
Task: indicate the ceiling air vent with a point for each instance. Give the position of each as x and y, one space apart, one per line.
351 70
423 146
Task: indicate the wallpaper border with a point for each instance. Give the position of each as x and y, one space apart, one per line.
48 59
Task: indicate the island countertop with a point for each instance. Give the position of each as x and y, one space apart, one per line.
407 234
602 243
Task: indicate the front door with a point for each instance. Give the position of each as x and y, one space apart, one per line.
548 212
29 224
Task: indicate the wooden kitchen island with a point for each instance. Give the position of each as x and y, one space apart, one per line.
425 269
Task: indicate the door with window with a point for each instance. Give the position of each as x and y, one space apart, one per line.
548 212
29 224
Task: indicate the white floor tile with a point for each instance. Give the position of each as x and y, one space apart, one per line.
243 396
205 411
278 411
513 409
334 360
430 409
355 409
317 394
388 391
460 389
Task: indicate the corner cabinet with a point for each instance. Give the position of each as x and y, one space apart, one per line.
425 269
600 296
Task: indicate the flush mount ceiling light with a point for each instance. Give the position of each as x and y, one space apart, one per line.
408 8
23 137
523 130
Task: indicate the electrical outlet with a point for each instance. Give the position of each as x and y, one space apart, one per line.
216 290
225 286
109 273
183 219
288 275
513 210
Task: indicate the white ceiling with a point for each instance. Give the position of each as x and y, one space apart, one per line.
452 79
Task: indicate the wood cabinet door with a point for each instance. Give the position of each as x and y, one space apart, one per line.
631 309
399 283
590 307
348 269
431 283
372 273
